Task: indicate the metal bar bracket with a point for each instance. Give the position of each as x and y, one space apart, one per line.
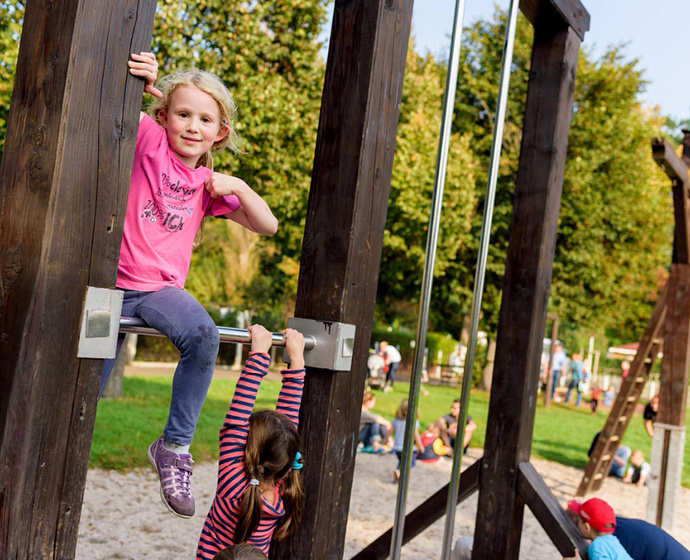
334 346
100 323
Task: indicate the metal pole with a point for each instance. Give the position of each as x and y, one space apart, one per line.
480 272
227 334
427 279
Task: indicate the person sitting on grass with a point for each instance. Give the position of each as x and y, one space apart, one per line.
398 430
447 428
620 458
373 429
596 520
639 469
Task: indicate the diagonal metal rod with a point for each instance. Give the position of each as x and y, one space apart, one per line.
427 279
480 272
136 325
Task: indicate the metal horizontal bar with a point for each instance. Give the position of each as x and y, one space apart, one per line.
136 325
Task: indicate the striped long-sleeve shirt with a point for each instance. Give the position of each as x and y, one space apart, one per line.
219 527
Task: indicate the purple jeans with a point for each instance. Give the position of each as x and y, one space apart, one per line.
189 327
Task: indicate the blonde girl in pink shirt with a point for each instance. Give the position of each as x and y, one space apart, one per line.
172 189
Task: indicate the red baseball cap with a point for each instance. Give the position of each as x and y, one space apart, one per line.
596 512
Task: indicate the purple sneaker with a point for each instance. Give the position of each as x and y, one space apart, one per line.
174 471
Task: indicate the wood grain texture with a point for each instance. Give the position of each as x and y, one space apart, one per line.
526 290
673 382
557 13
550 514
341 250
677 170
63 189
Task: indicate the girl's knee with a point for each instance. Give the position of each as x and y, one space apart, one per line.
207 338
201 341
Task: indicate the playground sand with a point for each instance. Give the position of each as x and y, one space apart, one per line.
123 517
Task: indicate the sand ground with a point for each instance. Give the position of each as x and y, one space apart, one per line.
123 517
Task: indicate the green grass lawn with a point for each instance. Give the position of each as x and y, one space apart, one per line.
125 428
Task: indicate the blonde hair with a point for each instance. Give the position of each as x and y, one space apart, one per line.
272 445
211 85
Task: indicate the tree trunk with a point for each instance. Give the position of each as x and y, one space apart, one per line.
113 389
488 371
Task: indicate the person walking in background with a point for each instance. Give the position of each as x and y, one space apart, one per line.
557 366
456 360
594 399
392 356
576 378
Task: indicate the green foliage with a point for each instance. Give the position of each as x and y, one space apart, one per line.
412 183
439 342
475 112
615 224
614 232
615 227
402 339
11 18
125 427
268 54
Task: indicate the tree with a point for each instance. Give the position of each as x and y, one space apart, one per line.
616 225
11 17
613 237
268 54
410 196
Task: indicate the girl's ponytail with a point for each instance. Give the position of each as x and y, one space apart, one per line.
270 453
293 501
249 514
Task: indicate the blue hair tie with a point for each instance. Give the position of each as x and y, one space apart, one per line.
296 465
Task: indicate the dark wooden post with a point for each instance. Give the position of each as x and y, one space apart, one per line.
63 189
674 363
673 386
341 250
526 285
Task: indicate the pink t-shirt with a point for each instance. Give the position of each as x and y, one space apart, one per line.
167 201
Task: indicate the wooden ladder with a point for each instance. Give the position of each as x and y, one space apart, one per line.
626 401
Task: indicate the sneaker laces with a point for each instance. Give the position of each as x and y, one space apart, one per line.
176 477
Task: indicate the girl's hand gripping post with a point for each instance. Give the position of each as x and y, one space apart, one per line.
145 66
261 339
294 346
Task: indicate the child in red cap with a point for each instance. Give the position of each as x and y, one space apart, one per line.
596 520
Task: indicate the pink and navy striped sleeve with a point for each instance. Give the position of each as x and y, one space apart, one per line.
233 434
290 396
219 527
